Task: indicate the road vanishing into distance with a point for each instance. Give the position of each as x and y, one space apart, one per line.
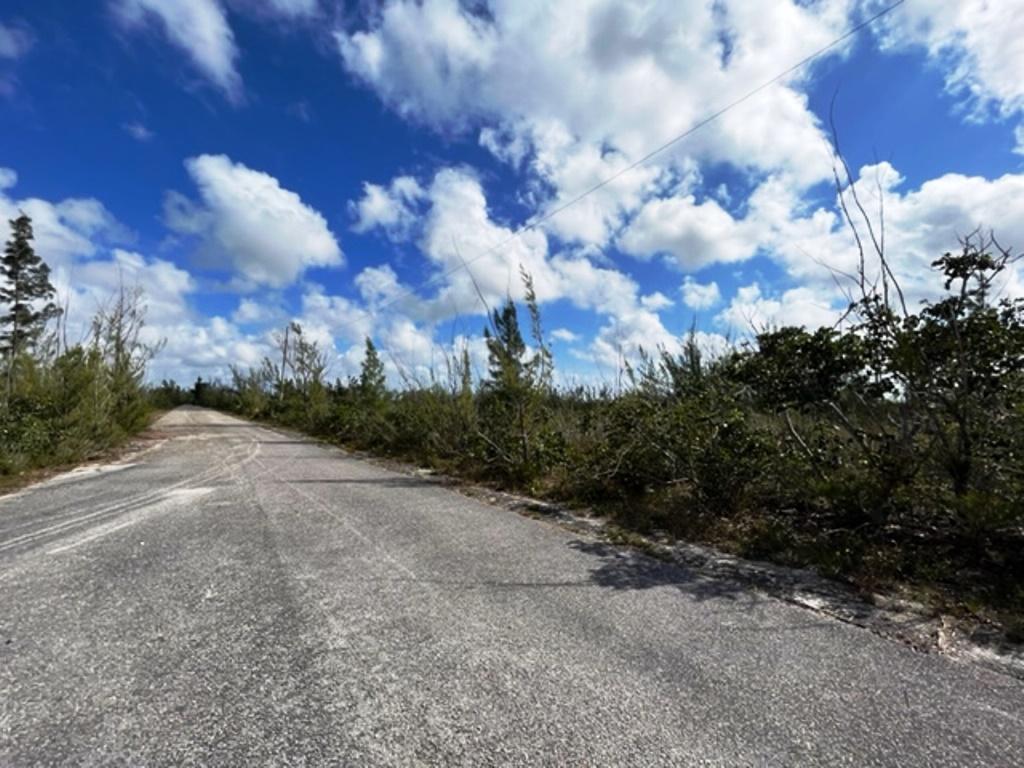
239 596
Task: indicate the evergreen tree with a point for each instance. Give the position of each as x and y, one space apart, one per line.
26 295
505 348
511 405
371 377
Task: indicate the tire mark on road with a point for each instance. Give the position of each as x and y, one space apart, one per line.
173 498
233 461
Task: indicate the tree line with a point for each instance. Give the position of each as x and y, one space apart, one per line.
62 402
886 451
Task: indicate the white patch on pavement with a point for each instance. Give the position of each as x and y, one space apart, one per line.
89 470
171 498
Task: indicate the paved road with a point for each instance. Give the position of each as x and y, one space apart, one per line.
243 597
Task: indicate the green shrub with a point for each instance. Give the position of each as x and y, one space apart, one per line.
889 451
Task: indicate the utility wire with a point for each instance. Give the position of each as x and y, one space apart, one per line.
537 221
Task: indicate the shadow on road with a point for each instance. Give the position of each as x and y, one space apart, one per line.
622 569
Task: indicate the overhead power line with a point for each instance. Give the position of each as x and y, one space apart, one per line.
535 222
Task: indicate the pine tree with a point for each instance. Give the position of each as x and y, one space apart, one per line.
371 377
505 348
26 295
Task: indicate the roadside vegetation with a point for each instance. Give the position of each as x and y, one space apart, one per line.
63 402
885 451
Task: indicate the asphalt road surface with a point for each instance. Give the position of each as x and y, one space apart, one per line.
239 596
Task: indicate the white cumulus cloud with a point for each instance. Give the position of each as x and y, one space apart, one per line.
391 208
66 230
656 301
752 311
816 247
166 285
978 43
691 234
246 221
700 295
581 88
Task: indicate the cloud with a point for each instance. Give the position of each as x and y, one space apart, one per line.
571 168
700 295
564 334
578 91
751 311
507 145
392 208
293 8
691 234
253 312
190 345
66 230
567 60
536 82
433 47
198 27
455 232
246 221
138 131
816 247
656 301
165 284
450 222
459 238
410 349
74 237
15 40
77 238
818 253
204 347
624 335
301 110
288 10
567 94
201 29
84 286
338 316
378 284
630 322
976 42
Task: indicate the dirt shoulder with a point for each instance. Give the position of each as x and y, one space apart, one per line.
127 449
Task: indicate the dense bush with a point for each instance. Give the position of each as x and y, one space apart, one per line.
886 451
63 403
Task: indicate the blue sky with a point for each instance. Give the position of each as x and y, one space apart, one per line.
338 163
